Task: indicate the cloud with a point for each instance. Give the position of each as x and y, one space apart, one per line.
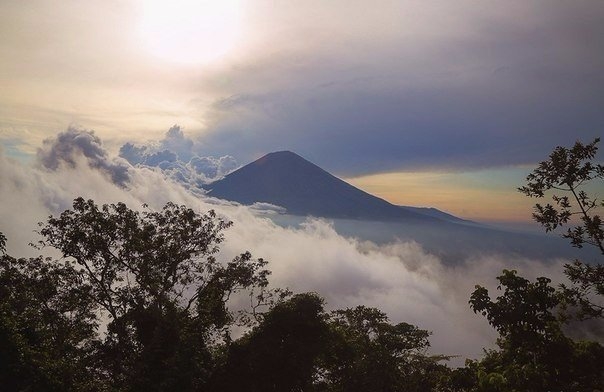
133 153
401 278
416 85
400 85
172 147
160 157
176 141
212 167
75 142
177 156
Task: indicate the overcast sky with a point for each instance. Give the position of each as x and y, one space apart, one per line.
471 88
446 104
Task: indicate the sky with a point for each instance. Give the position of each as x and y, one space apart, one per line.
427 103
448 104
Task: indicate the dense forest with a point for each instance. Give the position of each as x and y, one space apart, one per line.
140 301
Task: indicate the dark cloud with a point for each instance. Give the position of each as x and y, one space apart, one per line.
68 146
502 87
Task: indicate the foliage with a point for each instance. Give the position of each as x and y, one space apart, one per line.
2 244
281 353
587 290
534 353
47 327
140 302
524 313
368 353
133 260
568 171
299 347
153 279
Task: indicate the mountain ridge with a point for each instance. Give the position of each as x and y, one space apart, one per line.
286 179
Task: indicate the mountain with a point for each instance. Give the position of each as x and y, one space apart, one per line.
286 179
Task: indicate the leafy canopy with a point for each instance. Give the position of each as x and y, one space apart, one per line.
568 170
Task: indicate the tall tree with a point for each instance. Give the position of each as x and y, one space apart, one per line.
368 353
47 326
281 353
566 174
155 278
534 352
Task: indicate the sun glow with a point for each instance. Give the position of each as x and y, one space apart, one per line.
190 31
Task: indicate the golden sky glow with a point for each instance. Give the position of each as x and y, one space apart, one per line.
479 195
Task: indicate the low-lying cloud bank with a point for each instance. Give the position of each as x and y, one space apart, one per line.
400 278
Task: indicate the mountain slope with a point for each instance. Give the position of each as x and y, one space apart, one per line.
285 179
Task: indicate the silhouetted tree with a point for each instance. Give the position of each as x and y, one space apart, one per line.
155 278
47 327
281 353
534 353
2 244
368 353
569 171
566 173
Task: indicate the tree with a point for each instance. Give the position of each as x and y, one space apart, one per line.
368 353
524 312
2 244
47 327
155 277
567 172
281 353
587 290
151 279
534 353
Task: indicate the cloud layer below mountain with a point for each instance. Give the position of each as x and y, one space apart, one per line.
401 278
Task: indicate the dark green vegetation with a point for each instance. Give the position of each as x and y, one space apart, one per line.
139 302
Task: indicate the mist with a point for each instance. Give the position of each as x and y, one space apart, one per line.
401 277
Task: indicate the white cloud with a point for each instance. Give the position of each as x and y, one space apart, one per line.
400 278
177 156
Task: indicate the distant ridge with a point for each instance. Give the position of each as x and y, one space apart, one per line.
286 179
